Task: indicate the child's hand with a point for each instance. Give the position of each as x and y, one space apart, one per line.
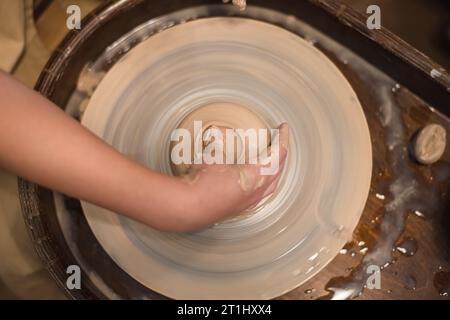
223 191
39 142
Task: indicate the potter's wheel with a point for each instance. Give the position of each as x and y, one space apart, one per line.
278 76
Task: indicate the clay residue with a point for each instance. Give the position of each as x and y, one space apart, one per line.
430 143
435 73
223 117
404 195
244 181
240 4
89 80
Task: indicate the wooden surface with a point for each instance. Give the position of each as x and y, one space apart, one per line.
404 64
431 232
425 274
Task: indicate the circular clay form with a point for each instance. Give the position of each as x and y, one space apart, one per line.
235 67
222 116
430 143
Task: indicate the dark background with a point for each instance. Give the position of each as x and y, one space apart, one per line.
425 24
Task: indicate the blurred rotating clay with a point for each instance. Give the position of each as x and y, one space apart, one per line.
217 69
222 116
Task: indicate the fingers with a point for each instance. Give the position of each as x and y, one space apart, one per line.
284 135
274 183
277 152
272 187
282 145
252 178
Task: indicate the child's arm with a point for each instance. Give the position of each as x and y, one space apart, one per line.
39 142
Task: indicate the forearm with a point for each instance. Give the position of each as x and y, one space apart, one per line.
40 142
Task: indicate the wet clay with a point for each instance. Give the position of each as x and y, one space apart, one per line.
170 77
222 116
241 4
430 143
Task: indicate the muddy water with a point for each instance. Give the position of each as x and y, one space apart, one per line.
441 282
401 186
404 193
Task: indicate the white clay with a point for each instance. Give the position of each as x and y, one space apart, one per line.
430 143
279 77
223 116
241 4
